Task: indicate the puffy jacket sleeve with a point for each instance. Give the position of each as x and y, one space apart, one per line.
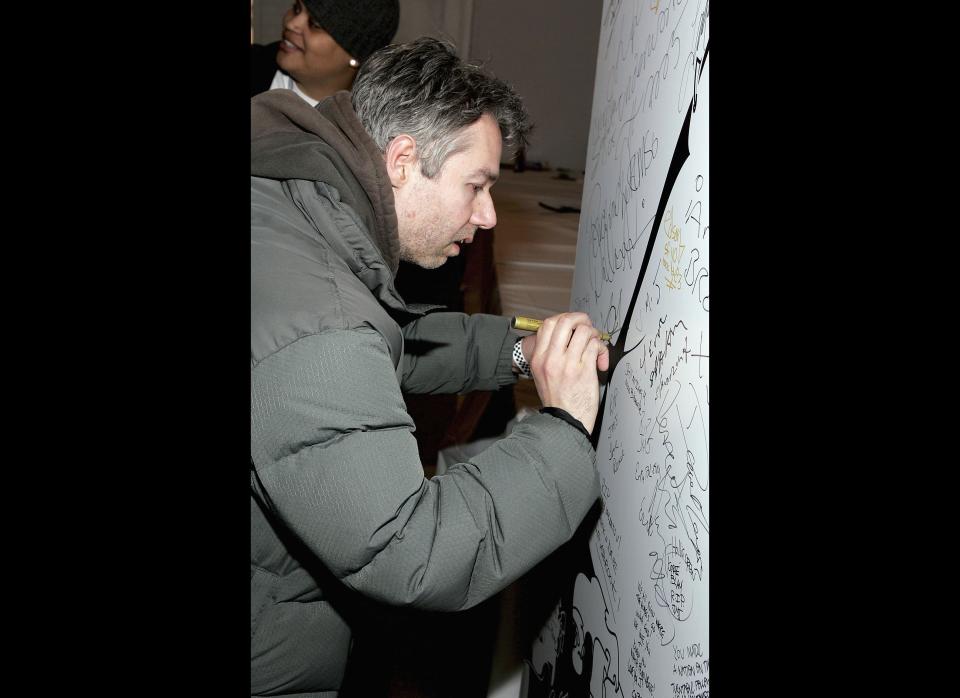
457 353
336 461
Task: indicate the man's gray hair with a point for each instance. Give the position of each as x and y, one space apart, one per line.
424 90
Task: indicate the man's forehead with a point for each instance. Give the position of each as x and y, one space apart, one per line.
478 150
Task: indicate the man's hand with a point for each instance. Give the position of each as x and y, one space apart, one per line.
564 357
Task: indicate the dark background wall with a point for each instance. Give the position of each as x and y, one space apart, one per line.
546 49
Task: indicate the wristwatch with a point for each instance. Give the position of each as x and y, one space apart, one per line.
519 359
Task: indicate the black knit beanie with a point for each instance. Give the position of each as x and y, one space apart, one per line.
359 26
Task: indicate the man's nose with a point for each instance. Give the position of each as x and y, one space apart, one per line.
484 213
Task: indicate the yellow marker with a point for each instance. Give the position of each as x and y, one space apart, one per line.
530 324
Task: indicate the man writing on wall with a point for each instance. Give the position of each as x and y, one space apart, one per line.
402 168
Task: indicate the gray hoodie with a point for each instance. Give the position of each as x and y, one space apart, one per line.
340 506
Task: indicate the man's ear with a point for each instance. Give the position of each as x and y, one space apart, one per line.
401 158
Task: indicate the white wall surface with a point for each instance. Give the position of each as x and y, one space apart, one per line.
643 274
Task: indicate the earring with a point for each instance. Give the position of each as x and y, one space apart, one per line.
354 63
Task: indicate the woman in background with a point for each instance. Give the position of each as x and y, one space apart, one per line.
323 44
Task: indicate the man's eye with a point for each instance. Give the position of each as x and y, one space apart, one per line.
477 188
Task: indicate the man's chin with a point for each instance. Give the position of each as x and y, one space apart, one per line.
432 263
425 262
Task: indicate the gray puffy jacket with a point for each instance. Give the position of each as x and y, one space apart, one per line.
339 502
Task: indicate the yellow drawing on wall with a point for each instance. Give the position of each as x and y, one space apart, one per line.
672 251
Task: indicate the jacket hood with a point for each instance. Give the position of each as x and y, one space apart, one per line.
289 139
